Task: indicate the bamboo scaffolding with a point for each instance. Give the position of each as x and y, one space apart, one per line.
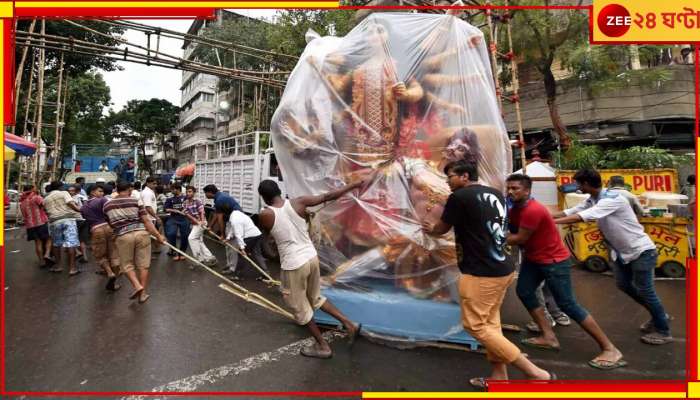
197 39
18 76
116 54
58 130
39 108
235 288
516 97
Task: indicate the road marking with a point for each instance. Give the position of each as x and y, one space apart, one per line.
192 383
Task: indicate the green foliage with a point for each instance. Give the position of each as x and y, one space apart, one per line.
88 95
541 36
287 35
606 68
76 64
639 157
143 120
580 156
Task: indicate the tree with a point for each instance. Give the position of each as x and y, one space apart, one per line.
143 120
286 36
76 63
88 96
543 36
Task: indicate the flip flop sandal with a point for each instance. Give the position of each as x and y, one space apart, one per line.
144 298
480 383
135 294
528 342
606 365
353 337
74 273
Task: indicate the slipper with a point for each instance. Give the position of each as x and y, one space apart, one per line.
56 270
528 342
110 284
135 294
353 337
74 273
606 365
144 298
480 384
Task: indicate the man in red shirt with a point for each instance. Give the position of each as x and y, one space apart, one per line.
547 259
36 223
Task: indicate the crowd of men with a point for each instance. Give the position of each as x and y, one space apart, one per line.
121 222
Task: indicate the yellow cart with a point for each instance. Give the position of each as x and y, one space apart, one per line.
585 241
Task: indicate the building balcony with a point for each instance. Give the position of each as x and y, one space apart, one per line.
672 99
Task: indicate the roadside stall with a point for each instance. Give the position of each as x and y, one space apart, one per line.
665 219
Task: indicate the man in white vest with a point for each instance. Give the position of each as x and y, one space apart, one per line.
285 220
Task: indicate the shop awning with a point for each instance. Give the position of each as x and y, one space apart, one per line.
19 145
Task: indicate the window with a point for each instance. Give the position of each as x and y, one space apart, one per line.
207 97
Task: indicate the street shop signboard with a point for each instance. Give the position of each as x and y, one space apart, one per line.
637 181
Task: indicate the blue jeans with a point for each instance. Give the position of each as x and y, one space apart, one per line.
172 226
557 277
636 278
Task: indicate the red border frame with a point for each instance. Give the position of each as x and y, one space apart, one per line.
511 386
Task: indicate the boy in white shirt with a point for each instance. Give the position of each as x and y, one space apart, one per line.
244 235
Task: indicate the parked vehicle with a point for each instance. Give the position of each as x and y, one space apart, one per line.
236 166
12 212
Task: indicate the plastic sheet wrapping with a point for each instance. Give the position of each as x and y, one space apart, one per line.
404 94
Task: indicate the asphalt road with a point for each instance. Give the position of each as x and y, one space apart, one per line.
67 334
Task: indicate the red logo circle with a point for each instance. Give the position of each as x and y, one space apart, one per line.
614 20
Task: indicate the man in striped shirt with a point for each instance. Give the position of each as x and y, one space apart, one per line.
102 237
36 223
132 225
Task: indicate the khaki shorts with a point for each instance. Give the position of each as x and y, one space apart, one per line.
301 290
103 247
134 250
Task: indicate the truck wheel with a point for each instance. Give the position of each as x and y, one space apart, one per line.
596 264
269 248
673 269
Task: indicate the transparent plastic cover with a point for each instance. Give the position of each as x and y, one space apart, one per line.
404 94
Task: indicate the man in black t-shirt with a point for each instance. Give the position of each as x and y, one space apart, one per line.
478 215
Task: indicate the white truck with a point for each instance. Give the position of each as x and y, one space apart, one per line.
237 165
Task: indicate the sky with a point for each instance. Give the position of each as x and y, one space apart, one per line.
144 82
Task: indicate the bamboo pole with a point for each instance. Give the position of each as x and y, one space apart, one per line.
492 52
26 117
57 131
235 288
516 96
226 243
40 109
58 153
20 70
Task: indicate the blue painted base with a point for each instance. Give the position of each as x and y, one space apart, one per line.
387 310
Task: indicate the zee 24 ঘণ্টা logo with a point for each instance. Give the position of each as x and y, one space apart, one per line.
636 21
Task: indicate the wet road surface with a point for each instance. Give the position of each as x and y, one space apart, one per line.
69 334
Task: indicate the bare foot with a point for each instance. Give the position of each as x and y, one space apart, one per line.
541 342
608 359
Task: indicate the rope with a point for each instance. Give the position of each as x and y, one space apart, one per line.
269 280
235 288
